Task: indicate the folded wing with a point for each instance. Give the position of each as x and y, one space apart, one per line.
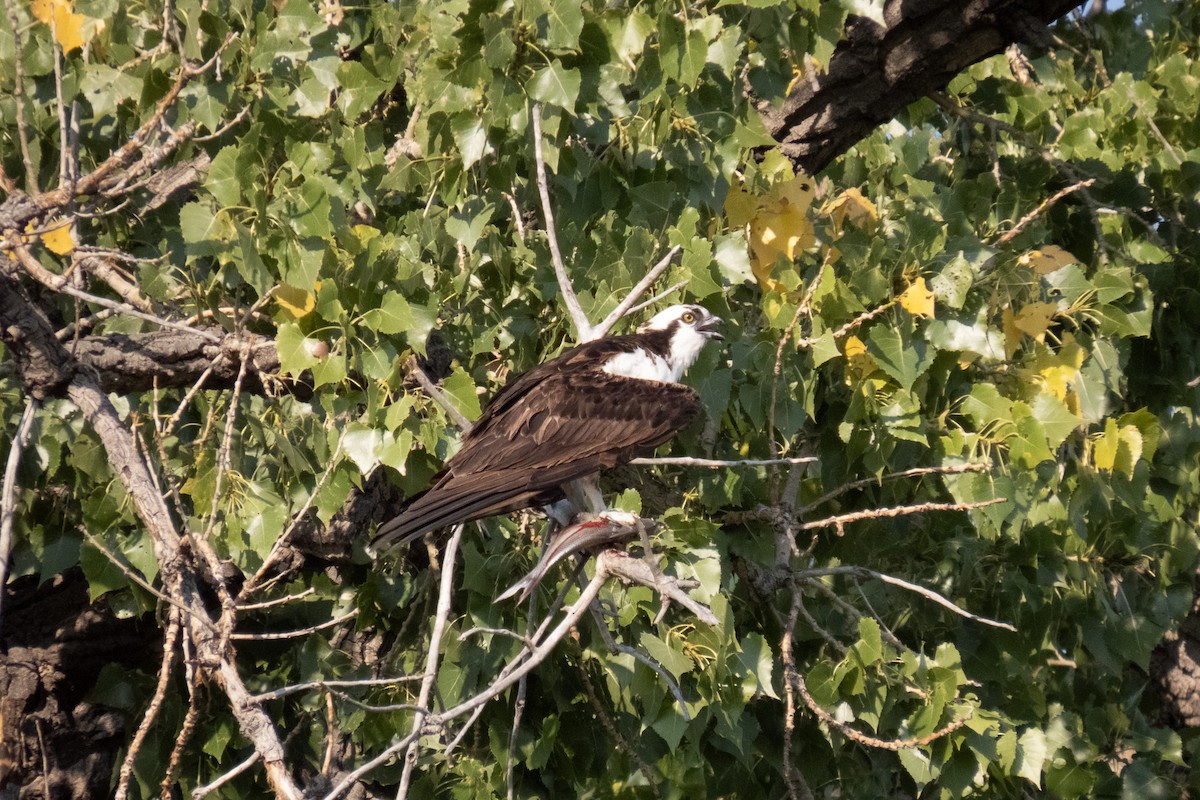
541 435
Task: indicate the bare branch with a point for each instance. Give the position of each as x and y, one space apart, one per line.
221 780
180 579
908 473
59 283
8 492
296 688
1024 222
31 181
160 692
841 520
929 594
583 328
438 396
715 463
445 593
635 293
647 303
296 634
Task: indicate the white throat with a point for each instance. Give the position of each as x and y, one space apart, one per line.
686 345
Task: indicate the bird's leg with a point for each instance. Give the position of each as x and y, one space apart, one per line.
584 495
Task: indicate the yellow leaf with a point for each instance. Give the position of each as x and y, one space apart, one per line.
1012 334
1129 449
72 30
1058 371
296 302
1035 318
1104 448
740 206
918 299
59 241
781 226
1049 259
859 362
852 206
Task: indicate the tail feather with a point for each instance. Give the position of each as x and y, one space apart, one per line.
440 509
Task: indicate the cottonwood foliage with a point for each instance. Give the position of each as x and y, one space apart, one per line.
994 295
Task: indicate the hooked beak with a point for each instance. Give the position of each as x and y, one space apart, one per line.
709 328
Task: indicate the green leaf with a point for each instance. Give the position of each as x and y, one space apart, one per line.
555 86
1031 755
564 20
904 359
461 389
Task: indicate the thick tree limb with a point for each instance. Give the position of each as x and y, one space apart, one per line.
875 72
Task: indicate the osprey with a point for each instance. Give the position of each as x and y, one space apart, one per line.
593 407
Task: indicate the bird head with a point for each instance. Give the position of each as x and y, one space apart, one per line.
690 328
685 317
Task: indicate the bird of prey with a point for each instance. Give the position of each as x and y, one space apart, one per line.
593 407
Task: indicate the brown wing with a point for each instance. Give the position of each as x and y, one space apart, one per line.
567 425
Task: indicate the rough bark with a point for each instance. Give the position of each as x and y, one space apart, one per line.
875 72
124 363
53 742
1175 669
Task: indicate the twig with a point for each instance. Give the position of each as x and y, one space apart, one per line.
1041 209
445 593
284 538
518 712
634 294
64 151
866 316
59 283
583 328
296 688
516 212
8 504
167 785
908 473
140 580
296 634
841 520
160 692
647 303
31 178
212 786
796 786
277 601
872 741
929 594
716 463
606 720
181 580
438 396
529 660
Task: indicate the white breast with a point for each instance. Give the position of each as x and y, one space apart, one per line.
644 366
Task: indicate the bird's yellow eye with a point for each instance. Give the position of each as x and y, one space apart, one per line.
689 317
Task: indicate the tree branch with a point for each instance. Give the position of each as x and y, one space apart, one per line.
583 328
876 71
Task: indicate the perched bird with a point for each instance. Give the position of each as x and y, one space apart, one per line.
593 407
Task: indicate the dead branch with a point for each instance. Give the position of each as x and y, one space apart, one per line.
8 494
438 396
929 594
445 593
160 692
841 520
908 473
716 463
636 292
583 328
